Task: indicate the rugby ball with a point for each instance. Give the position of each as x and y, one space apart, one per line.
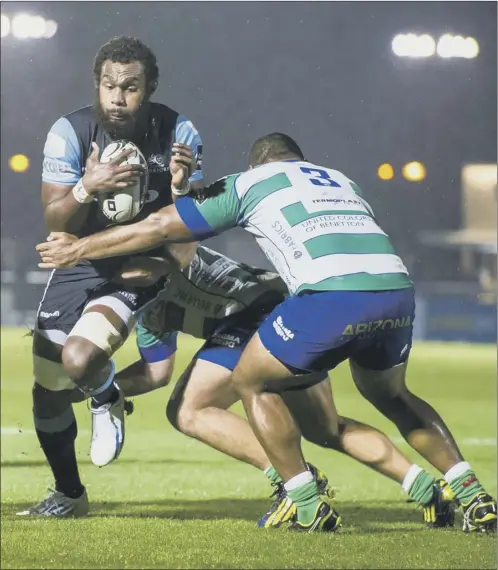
123 204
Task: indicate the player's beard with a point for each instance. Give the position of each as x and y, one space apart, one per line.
132 128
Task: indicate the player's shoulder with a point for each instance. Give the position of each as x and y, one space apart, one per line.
67 126
163 116
83 113
81 119
63 136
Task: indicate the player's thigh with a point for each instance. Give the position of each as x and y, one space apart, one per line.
59 310
379 385
159 373
379 360
61 306
207 380
202 384
102 329
258 370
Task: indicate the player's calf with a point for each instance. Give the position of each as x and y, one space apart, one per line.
54 420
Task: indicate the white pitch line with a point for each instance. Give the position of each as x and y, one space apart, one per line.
472 441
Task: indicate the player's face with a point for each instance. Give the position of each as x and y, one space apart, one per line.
122 93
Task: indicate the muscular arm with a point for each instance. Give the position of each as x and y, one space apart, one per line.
144 271
61 211
160 227
62 168
185 221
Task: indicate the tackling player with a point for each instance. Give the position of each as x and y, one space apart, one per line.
351 298
84 317
223 301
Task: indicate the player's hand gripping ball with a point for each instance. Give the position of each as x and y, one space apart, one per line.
123 204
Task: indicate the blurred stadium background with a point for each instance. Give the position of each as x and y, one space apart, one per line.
400 96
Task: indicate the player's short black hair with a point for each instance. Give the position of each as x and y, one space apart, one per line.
125 49
272 147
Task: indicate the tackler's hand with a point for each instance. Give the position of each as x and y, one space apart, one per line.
59 251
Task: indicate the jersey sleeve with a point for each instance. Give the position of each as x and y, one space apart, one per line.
218 212
186 133
62 161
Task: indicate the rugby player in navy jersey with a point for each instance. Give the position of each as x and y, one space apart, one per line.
84 315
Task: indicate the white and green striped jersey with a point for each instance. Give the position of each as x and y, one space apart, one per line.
211 288
311 222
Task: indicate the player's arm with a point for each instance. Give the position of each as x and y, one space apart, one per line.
186 221
66 193
62 170
144 271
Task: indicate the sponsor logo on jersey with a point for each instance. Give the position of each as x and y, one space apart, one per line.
373 326
224 339
55 166
156 163
45 315
132 297
348 201
281 330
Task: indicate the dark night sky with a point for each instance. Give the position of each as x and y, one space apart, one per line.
323 72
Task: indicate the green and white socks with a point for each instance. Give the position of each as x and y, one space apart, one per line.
272 475
460 478
419 485
303 491
463 482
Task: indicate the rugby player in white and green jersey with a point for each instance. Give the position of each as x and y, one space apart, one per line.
223 302
351 298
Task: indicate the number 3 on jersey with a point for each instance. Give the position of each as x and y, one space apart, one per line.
319 177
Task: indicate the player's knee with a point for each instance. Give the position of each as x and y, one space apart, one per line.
82 358
172 413
322 434
90 344
187 420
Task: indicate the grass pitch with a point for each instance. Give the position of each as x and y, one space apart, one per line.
171 502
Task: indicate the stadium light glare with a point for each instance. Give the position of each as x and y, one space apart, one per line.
456 46
385 171
5 30
411 45
50 28
414 171
448 46
19 163
28 26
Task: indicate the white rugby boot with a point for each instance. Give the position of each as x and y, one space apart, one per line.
58 505
108 431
